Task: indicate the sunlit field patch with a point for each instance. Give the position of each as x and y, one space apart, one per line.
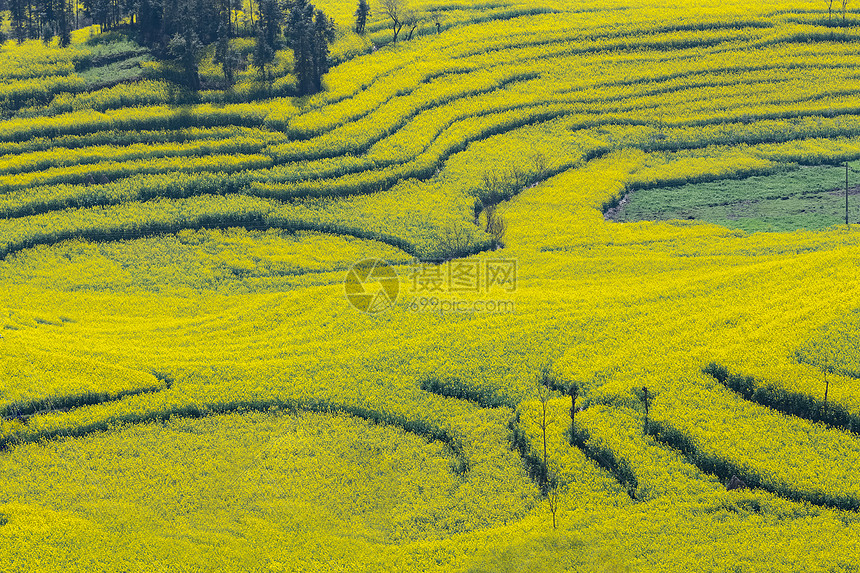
229 487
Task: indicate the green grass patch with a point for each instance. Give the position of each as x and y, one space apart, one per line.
797 198
127 70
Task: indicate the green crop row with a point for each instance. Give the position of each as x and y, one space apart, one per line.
386 119
273 112
727 435
456 138
328 175
513 41
699 105
33 381
793 401
617 435
580 477
136 187
132 220
118 137
35 60
476 437
47 161
146 92
105 171
36 91
223 260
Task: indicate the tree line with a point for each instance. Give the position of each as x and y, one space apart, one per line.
180 31
46 19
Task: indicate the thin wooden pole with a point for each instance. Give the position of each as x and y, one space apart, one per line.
574 391
645 393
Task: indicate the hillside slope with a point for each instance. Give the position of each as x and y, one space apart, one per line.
188 384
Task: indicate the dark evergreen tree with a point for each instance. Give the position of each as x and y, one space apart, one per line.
46 19
178 30
34 30
206 14
63 25
180 16
170 21
185 49
185 45
149 20
114 13
263 54
224 55
309 33
47 32
268 35
361 14
324 34
18 17
99 11
300 39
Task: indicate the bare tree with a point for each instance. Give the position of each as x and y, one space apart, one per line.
574 394
844 10
828 367
395 9
411 20
647 404
544 393
496 225
549 481
453 240
829 10
647 398
552 498
435 17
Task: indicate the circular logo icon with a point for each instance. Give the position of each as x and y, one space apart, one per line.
371 286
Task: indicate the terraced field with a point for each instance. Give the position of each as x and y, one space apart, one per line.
187 382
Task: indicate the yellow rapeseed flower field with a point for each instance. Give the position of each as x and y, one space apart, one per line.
395 326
